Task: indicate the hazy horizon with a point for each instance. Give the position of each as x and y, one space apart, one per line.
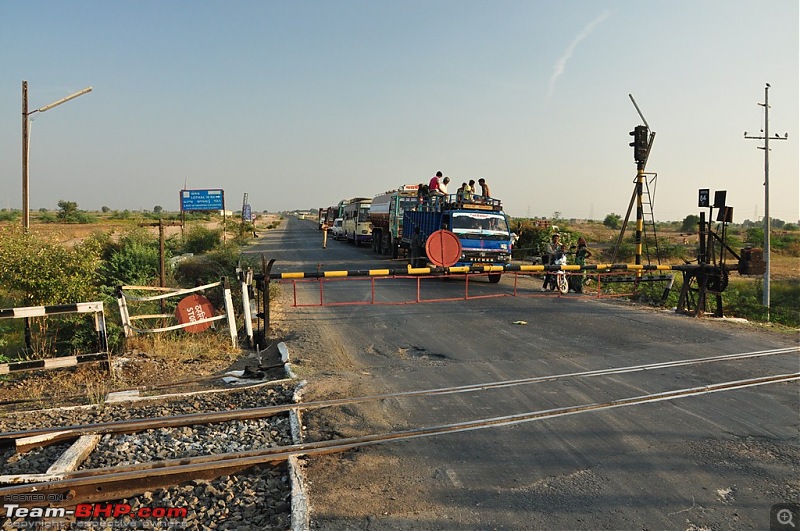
300 105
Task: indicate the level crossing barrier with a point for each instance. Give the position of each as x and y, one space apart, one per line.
95 308
604 274
128 319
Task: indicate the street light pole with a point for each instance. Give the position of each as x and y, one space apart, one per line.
26 141
26 220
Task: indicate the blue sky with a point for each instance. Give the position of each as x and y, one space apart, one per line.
301 104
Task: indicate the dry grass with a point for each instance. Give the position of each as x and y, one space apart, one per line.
84 384
148 360
162 359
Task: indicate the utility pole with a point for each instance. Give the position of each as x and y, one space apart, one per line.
767 222
26 145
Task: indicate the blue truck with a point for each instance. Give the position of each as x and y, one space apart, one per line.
480 224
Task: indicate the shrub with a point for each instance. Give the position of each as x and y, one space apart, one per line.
135 263
690 223
532 239
9 215
211 267
201 240
38 271
613 221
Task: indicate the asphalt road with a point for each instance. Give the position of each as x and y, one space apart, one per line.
716 461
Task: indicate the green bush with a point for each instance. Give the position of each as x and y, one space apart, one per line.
786 242
613 221
744 299
9 215
134 260
208 268
201 239
37 271
125 214
135 263
533 239
755 236
211 267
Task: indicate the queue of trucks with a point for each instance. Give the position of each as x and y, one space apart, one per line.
388 221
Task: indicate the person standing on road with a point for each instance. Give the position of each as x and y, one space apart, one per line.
581 254
417 249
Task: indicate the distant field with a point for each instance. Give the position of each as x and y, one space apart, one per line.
72 233
599 237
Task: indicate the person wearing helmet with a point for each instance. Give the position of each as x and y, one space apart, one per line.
551 252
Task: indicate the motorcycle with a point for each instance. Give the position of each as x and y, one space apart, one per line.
562 283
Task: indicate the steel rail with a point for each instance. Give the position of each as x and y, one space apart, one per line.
96 485
131 426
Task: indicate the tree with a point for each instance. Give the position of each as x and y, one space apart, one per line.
612 221
690 223
68 210
105 209
755 235
157 209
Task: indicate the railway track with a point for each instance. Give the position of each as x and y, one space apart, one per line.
181 456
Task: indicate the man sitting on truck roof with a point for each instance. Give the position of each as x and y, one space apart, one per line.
441 187
433 185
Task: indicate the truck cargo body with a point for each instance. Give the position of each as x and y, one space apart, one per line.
482 229
386 214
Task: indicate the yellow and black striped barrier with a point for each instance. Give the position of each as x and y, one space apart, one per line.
478 269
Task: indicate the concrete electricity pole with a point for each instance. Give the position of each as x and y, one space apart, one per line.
26 142
767 223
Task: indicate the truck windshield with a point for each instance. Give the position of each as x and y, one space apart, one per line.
407 203
480 225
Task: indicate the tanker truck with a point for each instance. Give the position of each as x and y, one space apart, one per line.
386 214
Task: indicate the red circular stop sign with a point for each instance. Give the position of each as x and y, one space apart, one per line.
443 248
194 308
